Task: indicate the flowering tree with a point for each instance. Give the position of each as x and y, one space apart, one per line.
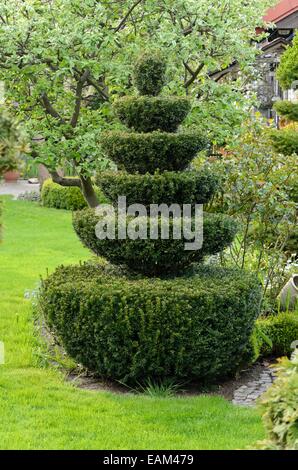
60 59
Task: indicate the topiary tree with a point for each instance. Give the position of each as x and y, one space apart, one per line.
156 155
159 316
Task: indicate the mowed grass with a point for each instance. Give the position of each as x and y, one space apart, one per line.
40 410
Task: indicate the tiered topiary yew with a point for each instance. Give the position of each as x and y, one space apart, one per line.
157 316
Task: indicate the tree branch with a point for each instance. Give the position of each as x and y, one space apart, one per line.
195 74
64 181
79 90
50 109
123 21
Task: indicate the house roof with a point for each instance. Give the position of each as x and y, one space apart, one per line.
283 9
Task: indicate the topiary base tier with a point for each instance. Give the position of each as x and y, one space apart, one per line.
130 328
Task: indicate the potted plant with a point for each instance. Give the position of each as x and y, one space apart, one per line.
9 168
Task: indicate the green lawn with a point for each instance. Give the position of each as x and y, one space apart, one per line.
39 410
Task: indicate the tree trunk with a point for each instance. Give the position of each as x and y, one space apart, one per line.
88 191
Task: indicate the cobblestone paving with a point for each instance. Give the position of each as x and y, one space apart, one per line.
247 394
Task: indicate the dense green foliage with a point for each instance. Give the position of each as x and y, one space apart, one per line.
64 197
149 73
153 256
282 330
147 114
147 152
193 187
287 109
92 47
287 72
279 406
285 141
258 189
132 328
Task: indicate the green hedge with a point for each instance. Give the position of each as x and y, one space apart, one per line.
150 73
287 109
154 257
133 328
279 406
64 197
282 330
147 113
285 141
149 152
195 187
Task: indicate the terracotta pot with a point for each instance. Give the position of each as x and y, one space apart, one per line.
11 176
289 294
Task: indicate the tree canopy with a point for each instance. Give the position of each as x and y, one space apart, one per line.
63 61
287 72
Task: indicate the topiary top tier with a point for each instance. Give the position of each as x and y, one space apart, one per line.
152 155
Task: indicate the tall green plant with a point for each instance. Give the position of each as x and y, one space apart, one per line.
257 191
160 315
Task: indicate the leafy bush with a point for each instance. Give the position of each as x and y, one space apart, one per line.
148 152
287 109
64 197
168 187
149 73
285 141
147 114
131 328
257 187
150 256
279 406
282 330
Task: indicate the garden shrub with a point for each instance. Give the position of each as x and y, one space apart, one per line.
129 328
64 197
279 406
150 73
150 256
142 153
193 187
282 330
285 141
288 109
147 114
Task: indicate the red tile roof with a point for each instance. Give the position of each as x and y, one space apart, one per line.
283 9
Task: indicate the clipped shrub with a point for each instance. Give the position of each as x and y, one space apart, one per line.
64 197
285 141
279 406
148 152
150 256
282 330
131 328
147 114
150 73
127 327
288 109
195 187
